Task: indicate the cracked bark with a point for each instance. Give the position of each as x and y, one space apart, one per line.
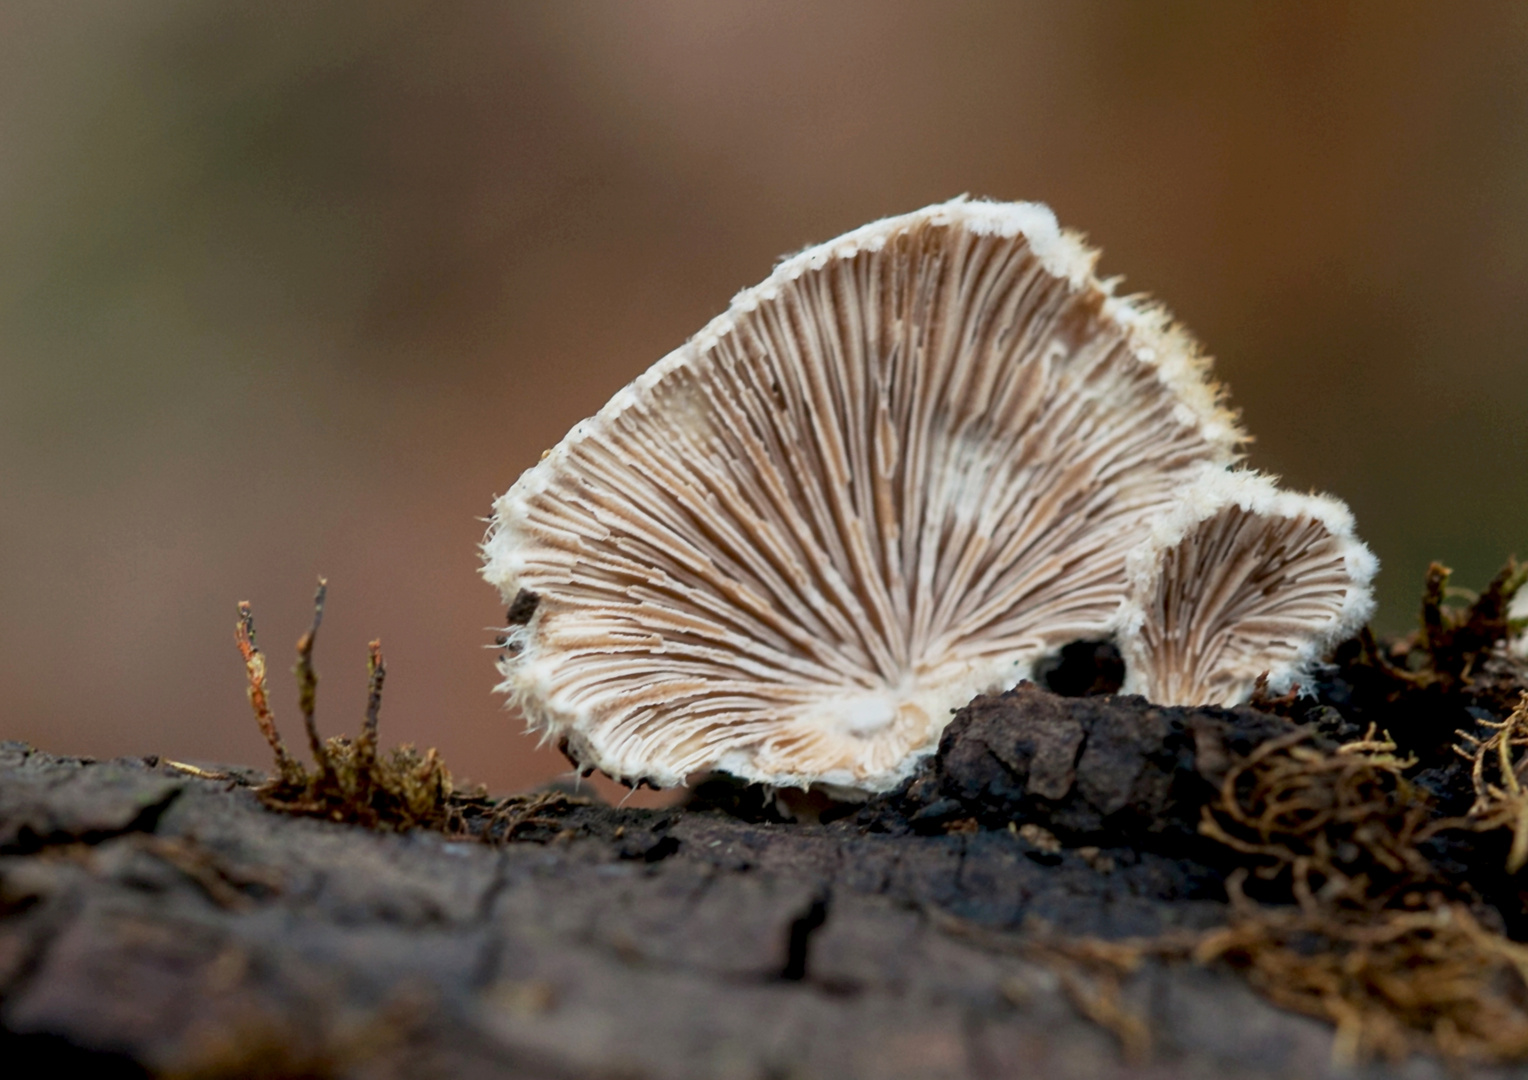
157 923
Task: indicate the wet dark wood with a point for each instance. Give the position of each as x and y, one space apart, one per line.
155 921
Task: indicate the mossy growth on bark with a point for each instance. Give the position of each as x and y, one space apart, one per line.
1364 834
349 780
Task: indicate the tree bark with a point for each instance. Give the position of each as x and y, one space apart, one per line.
154 921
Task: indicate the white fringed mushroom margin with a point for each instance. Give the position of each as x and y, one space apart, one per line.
1239 580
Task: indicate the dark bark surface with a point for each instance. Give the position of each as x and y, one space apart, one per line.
157 922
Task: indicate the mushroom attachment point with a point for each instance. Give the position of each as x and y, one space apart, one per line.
1241 579
894 475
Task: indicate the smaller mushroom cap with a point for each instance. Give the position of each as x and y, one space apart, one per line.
1239 580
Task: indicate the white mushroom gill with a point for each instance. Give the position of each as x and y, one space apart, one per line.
1239 580
891 476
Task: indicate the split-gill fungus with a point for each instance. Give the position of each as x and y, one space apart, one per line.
937 457
934 460
903 470
1241 581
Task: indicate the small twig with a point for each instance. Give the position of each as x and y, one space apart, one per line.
1504 755
1376 657
1266 701
1434 591
307 681
1488 614
254 666
192 770
1503 804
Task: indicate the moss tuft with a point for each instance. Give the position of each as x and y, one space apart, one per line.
350 781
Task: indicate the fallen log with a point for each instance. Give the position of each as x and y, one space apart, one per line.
156 919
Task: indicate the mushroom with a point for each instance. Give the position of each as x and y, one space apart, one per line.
1238 581
892 476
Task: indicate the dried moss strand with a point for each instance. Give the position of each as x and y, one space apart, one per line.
307 680
354 783
1501 801
254 667
366 745
1434 618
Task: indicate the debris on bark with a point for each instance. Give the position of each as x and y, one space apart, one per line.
1282 889
1498 771
349 781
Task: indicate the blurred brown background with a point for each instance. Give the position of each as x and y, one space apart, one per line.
297 288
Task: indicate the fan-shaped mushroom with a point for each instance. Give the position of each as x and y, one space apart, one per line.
889 477
1239 580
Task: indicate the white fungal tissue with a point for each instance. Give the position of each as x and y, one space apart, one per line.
897 473
1240 580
